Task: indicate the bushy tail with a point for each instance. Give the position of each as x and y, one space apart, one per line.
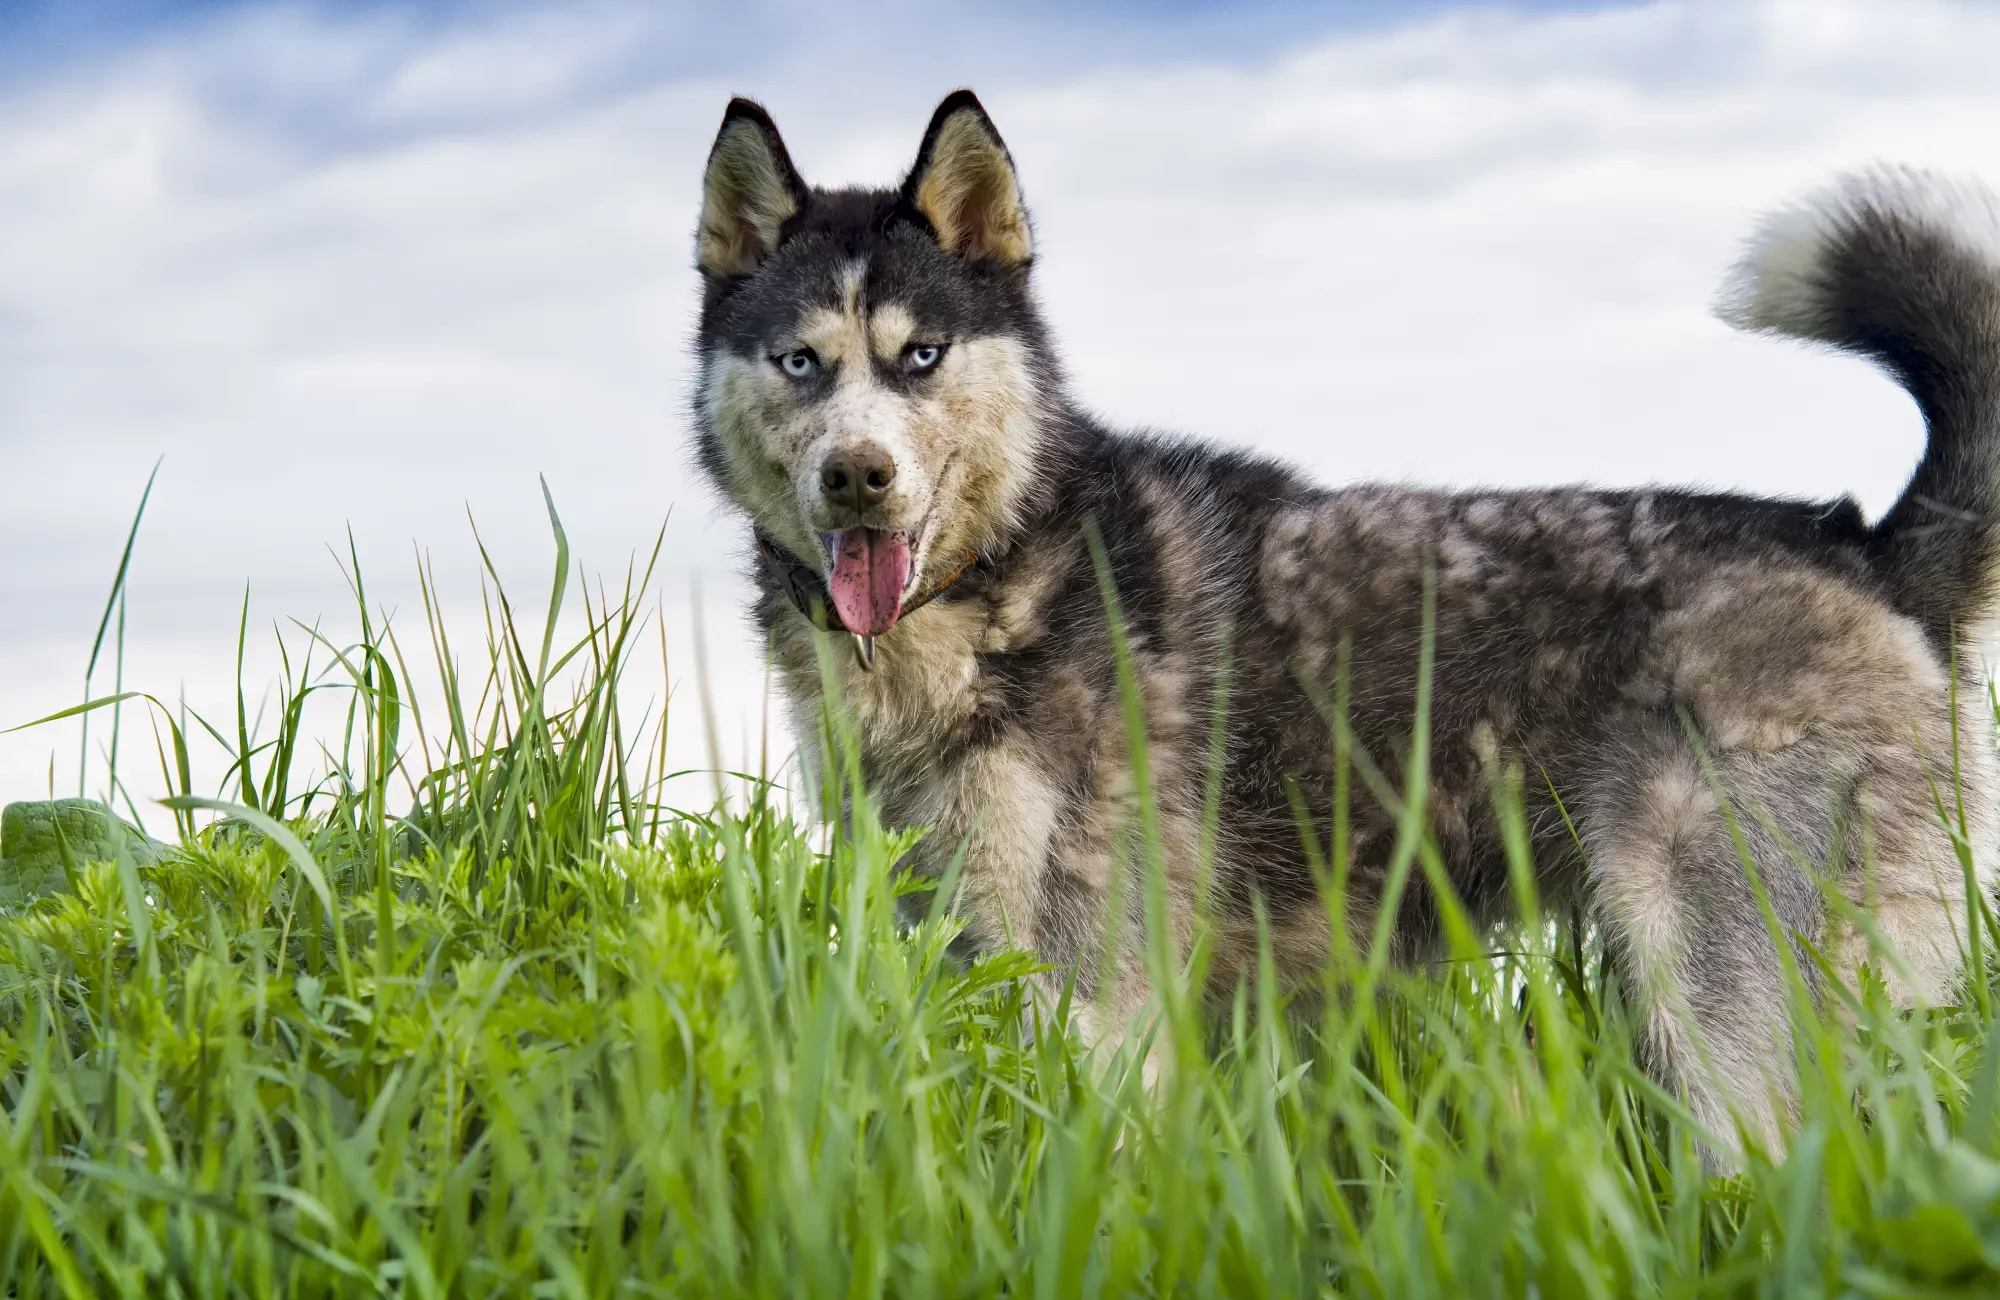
1904 267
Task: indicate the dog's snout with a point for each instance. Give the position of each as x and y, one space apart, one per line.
857 477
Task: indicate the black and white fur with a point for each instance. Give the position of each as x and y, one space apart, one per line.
1642 652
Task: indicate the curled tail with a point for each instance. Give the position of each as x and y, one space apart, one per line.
1904 267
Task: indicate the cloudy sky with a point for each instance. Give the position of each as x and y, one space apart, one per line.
378 267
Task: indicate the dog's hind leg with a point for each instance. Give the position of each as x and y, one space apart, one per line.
1696 955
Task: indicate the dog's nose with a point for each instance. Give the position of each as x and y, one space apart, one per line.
857 477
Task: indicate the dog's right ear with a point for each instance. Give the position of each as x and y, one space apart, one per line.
750 191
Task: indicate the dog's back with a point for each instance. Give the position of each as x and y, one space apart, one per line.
1699 679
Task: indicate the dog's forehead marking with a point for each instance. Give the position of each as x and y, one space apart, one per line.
856 328
889 329
835 335
851 279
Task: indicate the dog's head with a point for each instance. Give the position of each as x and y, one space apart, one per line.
872 366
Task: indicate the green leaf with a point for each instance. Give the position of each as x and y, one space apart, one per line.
1936 1241
102 701
33 837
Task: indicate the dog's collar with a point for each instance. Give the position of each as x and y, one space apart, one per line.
806 589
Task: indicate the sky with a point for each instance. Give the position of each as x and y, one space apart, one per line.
380 269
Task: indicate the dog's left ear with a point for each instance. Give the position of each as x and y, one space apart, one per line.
964 185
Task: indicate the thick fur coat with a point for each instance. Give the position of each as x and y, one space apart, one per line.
881 400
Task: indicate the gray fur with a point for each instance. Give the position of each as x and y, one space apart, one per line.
1641 650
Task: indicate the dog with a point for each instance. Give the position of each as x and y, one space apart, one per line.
1679 672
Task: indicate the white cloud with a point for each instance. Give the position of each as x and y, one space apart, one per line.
366 270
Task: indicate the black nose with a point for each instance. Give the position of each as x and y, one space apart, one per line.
857 477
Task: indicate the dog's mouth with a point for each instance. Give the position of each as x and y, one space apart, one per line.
869 573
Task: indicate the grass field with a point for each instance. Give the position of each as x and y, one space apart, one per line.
470 1014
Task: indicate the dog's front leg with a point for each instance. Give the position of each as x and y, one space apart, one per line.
1029 882
1093 940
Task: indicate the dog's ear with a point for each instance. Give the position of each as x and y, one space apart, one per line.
964 185
750 191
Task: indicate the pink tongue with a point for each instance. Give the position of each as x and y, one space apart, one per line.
870 569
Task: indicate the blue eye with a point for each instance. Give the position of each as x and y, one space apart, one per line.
924 356
800 364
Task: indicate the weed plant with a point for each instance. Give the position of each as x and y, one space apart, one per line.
472 1013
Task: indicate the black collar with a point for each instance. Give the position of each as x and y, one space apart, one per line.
806 589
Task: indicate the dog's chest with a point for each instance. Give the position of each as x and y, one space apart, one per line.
916 703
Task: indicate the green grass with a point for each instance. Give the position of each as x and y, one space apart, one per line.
471 1014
